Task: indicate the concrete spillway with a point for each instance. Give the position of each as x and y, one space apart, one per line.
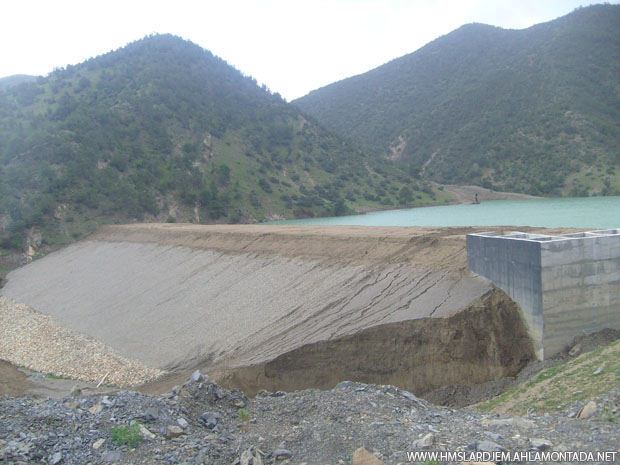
566 285
258 303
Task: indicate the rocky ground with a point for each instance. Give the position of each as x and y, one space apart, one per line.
202 423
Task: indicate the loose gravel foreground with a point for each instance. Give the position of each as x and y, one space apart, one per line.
31 339
202 423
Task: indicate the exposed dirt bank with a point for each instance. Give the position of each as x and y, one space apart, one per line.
180 296
13 382
466 348
21 382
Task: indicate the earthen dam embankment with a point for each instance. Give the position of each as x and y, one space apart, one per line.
284 307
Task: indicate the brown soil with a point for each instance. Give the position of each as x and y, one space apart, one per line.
469 347
343 245
21 382
13 382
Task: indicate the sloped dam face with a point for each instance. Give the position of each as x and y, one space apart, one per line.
284 307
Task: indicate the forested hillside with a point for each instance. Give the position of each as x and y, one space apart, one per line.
534 110
162 130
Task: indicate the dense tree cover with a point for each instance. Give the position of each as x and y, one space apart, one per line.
534 110
162 130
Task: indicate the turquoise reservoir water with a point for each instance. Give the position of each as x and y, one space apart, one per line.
582 212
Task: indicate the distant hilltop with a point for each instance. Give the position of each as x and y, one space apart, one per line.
533 111
14 80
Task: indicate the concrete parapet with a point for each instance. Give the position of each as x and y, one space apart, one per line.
566 285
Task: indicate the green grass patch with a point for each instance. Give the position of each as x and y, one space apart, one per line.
244 415
126 435
53 376
547 374
555 388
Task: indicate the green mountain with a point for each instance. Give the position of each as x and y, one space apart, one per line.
162 130
534 110
14 80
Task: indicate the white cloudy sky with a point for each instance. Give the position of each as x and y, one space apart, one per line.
293 46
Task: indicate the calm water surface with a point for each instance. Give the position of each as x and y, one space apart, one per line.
582 212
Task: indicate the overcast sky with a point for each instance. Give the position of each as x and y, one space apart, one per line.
292 46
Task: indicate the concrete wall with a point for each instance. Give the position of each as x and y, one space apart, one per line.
514 266
566 285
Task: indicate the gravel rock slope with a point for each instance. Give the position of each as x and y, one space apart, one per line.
31 339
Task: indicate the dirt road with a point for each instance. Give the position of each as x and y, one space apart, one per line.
468 194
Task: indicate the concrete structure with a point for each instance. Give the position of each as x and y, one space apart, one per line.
566 285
